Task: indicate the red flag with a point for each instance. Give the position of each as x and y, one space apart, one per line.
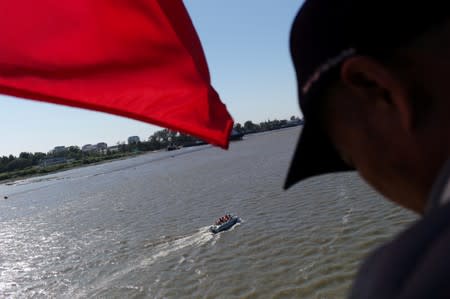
136 58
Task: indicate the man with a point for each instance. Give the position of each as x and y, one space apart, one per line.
374 88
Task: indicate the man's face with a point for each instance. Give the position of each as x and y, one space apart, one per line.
369 135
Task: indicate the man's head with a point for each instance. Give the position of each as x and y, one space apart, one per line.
376 88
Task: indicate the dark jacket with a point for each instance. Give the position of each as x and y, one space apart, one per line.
416 264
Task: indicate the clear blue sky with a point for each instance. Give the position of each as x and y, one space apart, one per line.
246 45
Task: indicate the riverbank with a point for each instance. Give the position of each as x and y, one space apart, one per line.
36 171
39 170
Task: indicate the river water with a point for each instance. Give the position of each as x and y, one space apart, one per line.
138 228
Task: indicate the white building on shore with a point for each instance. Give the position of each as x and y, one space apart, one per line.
59 149
133 139
100 147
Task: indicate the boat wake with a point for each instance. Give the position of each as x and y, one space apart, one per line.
160 249
199 238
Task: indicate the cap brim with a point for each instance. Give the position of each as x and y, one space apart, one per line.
314 155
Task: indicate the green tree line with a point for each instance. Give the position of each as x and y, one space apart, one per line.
161 139
250 127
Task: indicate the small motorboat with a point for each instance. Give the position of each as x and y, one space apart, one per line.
224 223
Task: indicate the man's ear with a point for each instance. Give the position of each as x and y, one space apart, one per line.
380 86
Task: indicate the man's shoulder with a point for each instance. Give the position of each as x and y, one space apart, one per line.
413 265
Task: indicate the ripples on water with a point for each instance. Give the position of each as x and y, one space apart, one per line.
139 227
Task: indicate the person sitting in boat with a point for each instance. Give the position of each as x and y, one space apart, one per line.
222 219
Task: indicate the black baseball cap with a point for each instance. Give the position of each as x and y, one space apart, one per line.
326 33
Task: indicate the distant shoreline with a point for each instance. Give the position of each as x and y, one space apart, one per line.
7 178
59 168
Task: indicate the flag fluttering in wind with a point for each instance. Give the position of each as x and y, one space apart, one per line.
136 58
